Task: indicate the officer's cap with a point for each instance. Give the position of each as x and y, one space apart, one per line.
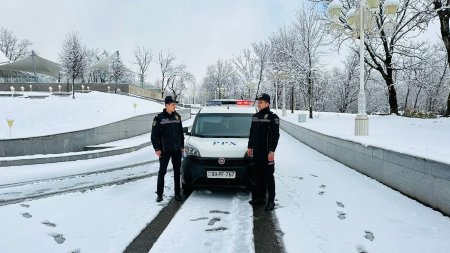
169 99
264 96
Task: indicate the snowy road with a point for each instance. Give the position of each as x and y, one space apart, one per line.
321 206
210 221
19 192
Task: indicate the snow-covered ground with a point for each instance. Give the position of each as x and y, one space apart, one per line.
322 206
427 138
325 206
54 114
210 222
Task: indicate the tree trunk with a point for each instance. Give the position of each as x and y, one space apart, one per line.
447 113
392 99
310 94
444 15
406 100
292 100
73 88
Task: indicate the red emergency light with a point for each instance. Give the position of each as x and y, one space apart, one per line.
244 102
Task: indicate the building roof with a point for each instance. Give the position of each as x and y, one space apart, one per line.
33 63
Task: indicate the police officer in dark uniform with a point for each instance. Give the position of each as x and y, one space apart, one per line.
263 140
168 142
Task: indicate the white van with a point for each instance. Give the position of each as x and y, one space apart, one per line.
216 148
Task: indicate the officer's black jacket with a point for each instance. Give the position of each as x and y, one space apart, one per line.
264 131
167 132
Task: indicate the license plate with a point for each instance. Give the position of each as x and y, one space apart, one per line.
221 174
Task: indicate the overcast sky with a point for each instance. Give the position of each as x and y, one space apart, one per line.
198 31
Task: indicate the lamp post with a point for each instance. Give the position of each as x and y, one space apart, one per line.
59 88
283 112
354 27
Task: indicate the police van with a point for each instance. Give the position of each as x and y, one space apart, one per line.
216 148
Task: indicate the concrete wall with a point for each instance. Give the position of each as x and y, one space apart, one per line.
424 180
76 141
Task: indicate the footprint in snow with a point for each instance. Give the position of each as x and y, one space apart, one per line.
213 221
341 215
49 224
24 205
339 204
201 218
322 186
27 215
361 249
59 238
369 236
321 193
218 211
313 175
216 229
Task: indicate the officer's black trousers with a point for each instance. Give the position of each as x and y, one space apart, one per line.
163 162
263 177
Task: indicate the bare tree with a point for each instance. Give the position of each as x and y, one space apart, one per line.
166 62
262 51
311 33
12 47
116 70
344 83
180 81
73 57
143 58
442 8
220 79
384 50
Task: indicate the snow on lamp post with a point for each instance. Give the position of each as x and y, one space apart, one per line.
10 124
135 105
352 26
31 87
12 90
109 89
22 88
50 89
59 88
88 88
82 88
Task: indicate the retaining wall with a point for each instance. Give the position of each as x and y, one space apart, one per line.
76 141
424 180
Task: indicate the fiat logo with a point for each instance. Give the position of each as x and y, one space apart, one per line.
221 161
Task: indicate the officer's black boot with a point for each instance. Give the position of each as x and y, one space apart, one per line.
159 198
178 198
270 206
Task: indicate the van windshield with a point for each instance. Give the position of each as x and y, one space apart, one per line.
223 125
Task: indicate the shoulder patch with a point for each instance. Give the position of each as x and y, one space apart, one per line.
277 121
154 122
266 116
177 117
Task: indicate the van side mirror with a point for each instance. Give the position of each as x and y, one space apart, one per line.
186 131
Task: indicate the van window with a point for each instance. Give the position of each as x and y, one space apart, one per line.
222 125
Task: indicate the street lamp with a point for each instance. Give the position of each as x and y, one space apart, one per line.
354 27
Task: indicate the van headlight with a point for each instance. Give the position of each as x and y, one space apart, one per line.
191 151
